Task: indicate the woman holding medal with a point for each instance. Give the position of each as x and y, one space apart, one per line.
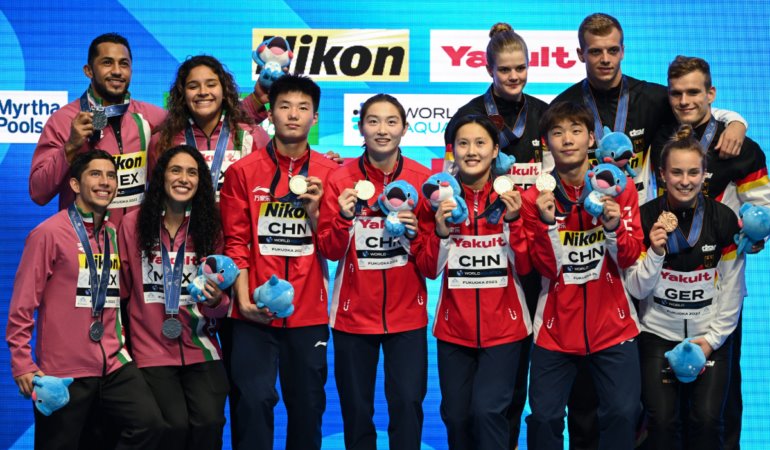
516 115
205 112
173 339
379 294
688 283
481 319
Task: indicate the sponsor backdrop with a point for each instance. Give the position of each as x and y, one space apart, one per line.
429 54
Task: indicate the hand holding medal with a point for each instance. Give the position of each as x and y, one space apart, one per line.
665 224
502 185
364 192
99 117
546 202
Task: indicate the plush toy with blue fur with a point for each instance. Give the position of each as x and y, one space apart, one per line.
604 179
443 186
503 163
686 360
397 196
755 226
272 56
616 148
219 268
277 295
50 393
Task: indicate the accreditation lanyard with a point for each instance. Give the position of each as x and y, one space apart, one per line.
487 203
86 100
290 197
621 113
221 147
677 241
708 134
98 282
360 204
506 134
172 276
561 195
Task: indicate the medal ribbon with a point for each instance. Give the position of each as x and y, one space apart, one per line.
98 282
362 167
506 134
87 99
291 197
677 240
708 134
219 153
621 114
172 277
561 195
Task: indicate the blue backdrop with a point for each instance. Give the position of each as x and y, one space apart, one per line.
429 54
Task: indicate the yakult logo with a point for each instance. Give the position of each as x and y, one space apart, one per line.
427 115
23 114
344 55
460 56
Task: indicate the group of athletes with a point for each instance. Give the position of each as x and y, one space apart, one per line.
587 308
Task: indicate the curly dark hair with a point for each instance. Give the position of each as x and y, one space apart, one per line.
178 113
205 228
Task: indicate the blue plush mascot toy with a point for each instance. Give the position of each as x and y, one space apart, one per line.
219 268
443 186
50 393
604 179
616 148
397 196
272 56
503 163
277 295
755 226
686 360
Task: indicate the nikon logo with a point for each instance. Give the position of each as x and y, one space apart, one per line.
344 55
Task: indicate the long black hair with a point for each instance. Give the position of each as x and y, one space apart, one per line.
205 228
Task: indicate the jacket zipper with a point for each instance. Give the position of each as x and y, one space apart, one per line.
384 300
585 294
286 273
478 298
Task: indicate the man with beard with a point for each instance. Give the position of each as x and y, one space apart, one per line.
104 117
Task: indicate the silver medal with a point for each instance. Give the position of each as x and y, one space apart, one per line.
100 117
172 328
96 331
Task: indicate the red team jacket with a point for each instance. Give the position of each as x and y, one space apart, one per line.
482 302
269 237
377 288
583 307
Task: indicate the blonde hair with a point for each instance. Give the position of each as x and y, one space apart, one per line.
598 24
502 38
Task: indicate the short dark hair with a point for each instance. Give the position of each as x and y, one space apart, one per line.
480 119
82 160
295 83
115 38
576 112
683 65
